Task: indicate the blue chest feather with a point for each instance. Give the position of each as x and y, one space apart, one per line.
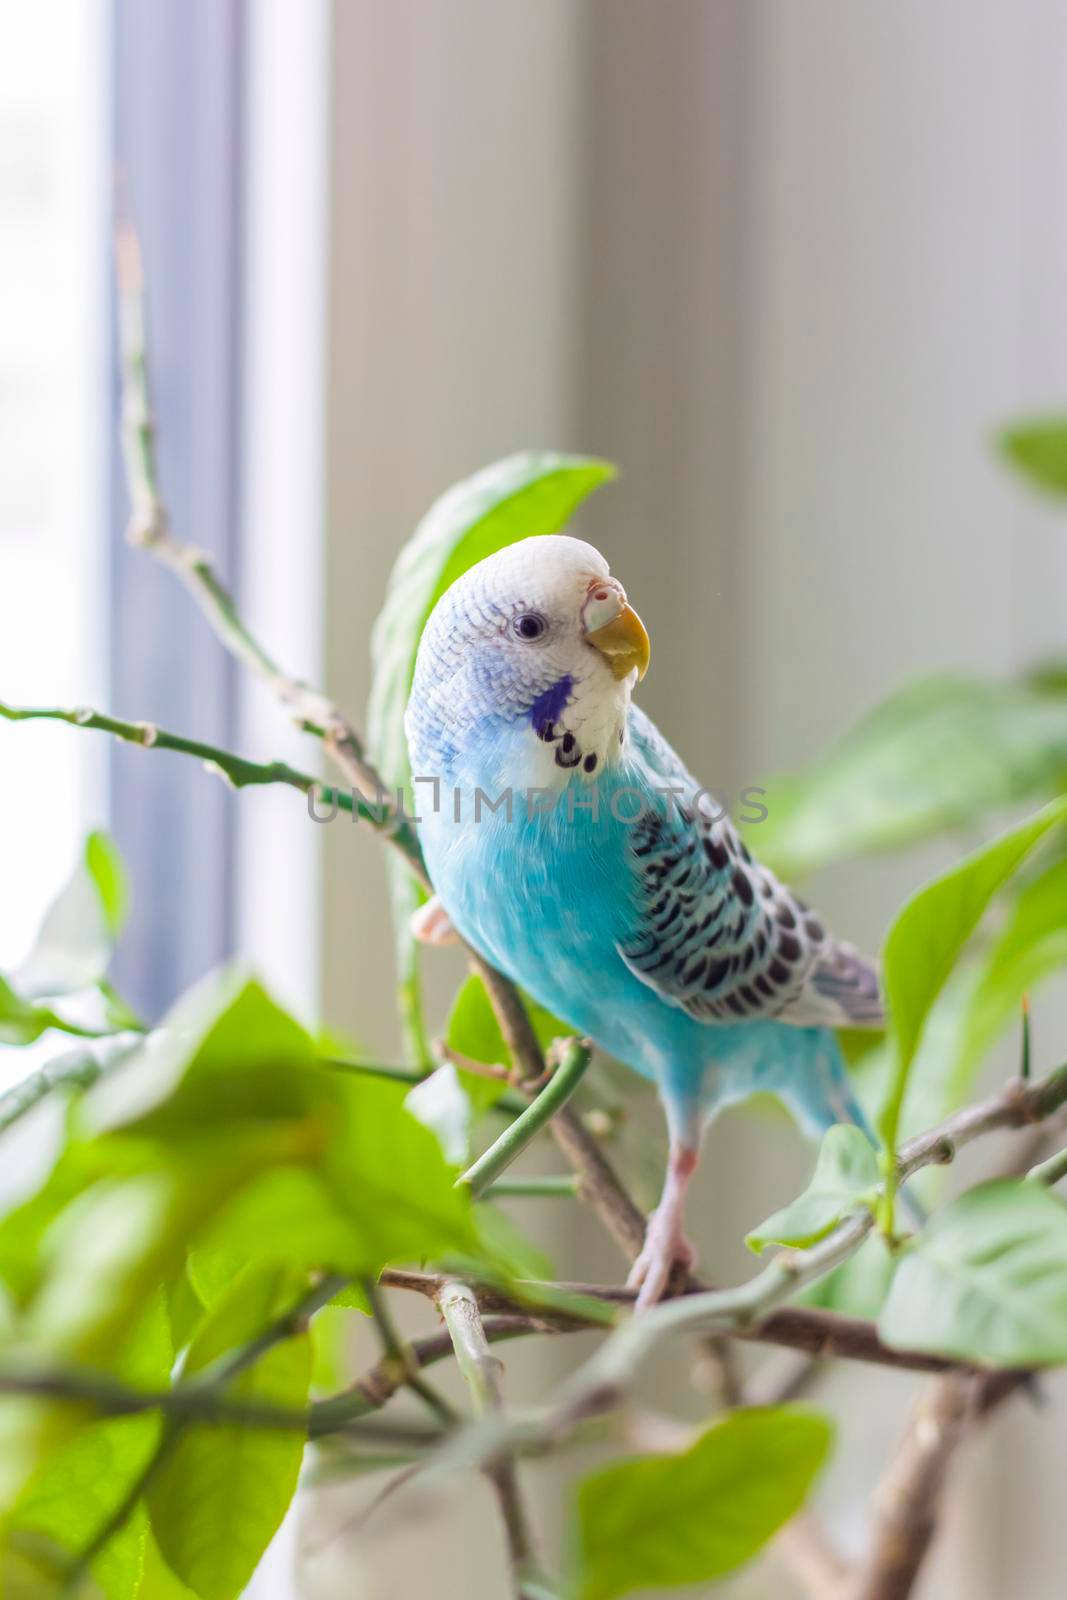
549 895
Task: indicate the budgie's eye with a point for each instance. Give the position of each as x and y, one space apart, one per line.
530 625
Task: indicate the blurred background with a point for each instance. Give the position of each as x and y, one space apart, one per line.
789 266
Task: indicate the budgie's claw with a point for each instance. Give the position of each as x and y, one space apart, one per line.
431 924
666 1247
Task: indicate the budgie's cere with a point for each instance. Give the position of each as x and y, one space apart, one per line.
570 845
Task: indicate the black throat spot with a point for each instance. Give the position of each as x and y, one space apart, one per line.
549 707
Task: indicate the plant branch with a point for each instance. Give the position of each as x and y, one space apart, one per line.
602 1383
396 1352
908 1499
509 1103
481 1372
150 527
823 1335
907 1503
73 1069
574 1058
235 770
1050 1172
552 1186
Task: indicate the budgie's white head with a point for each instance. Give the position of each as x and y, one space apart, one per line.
536 640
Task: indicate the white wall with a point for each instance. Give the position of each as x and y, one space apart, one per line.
906 252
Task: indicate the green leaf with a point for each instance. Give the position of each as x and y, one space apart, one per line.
928 935
667 1520
224 1143
1031 946
109 1251
221 1494
105 866
1039 451
158 1582
858 1287
21 1021
331 1333
185 1308
226 1053
938 754
77 937
388 1176
986 1280
78 1487
846 1175
380 1191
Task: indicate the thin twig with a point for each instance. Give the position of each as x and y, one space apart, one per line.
806 1330
602 1383
150 527
550 1186
481 1372
1050 1171
574 1058
237 771
396 1350
803 1547
110 1398
907 1502
73 1069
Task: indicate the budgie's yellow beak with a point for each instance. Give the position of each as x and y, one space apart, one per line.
621 636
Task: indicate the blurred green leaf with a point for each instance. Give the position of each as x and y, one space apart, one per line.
158 1582
331 1334
23 1021
185 1308
77 937
1031 946
220 1495
986 1280
926 938
81 1483
352 1298
936 755
225 1143
694 1517
846 1175
1038 450
858 1287
109 1251
226 1053
389 1177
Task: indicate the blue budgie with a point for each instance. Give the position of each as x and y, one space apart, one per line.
568 843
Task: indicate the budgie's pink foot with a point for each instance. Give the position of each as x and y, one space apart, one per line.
666 1246
431 924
